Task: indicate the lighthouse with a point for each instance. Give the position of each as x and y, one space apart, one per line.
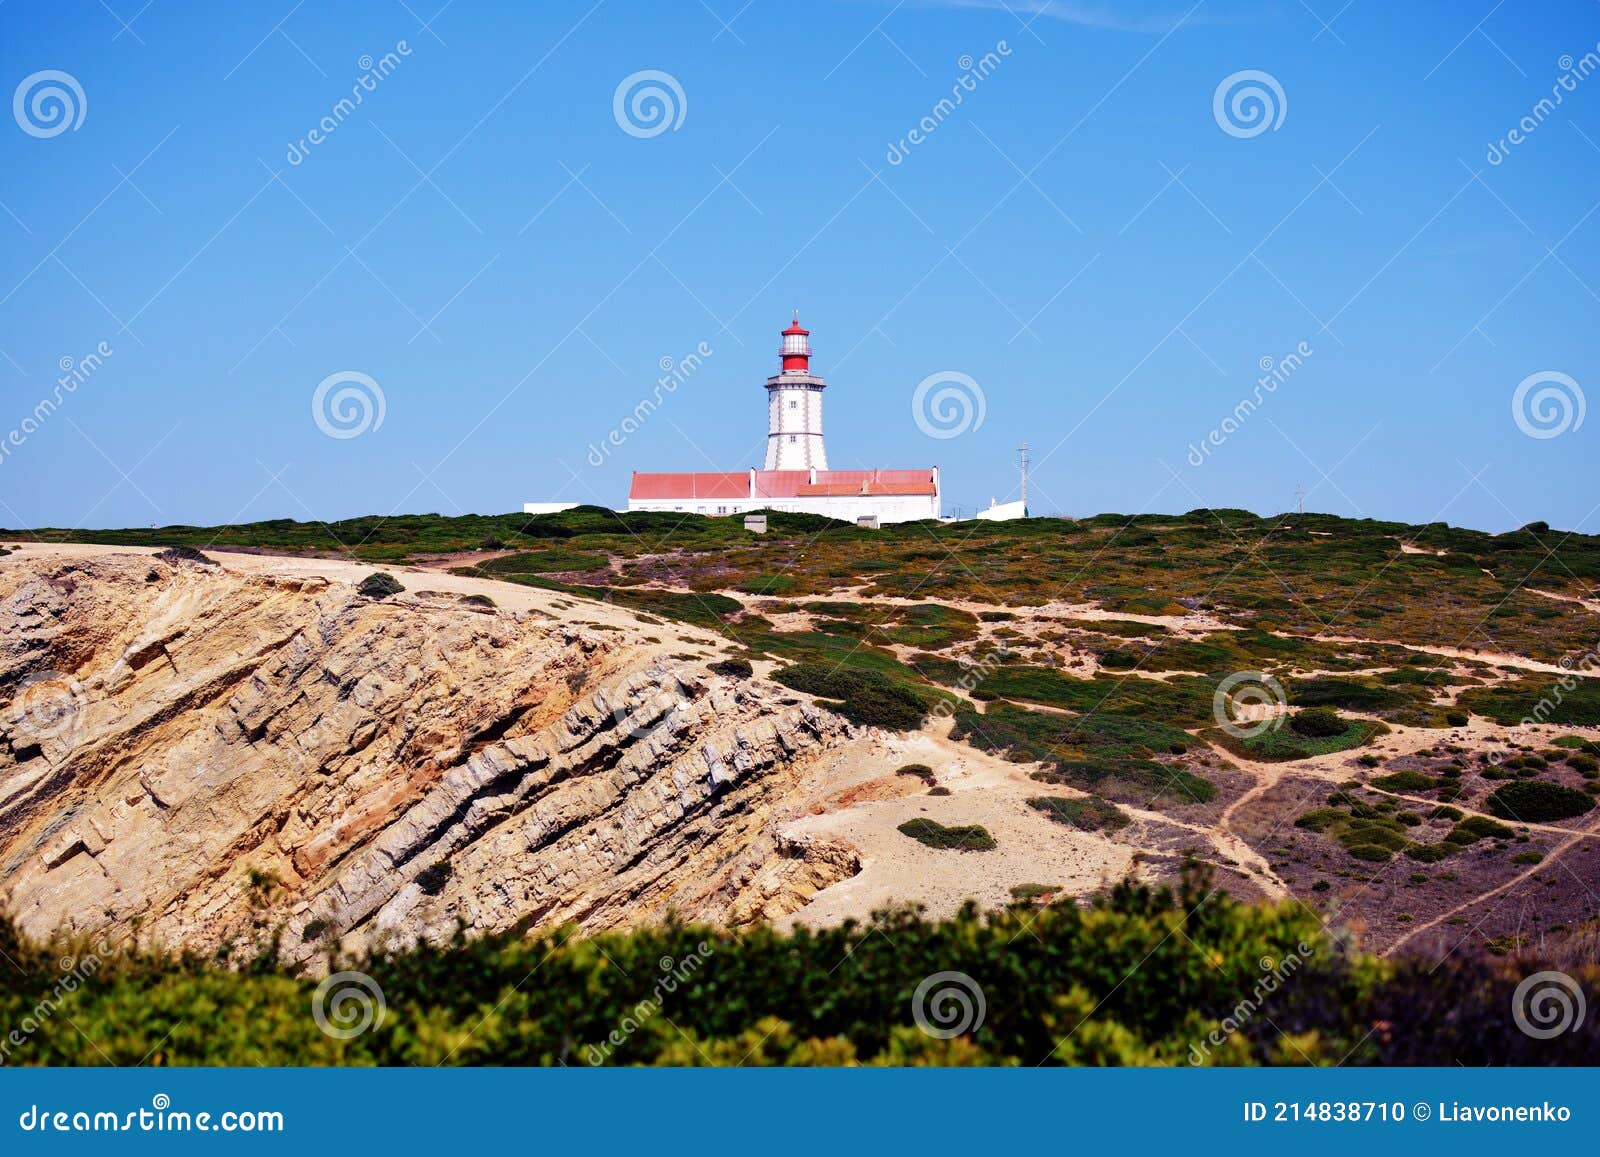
794 406
796 478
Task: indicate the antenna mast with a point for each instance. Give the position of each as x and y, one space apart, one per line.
1023 461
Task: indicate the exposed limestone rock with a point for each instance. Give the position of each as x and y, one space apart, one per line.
200 757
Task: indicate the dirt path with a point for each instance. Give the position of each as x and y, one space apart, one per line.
1495 657
1574 839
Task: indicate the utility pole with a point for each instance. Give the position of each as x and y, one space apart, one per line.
1024 463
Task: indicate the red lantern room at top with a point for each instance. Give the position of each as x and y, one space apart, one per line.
796 352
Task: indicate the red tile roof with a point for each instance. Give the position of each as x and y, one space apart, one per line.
784 484
734 485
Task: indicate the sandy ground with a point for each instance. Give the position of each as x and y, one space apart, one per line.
984 790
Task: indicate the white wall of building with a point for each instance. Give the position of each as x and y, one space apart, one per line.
888 508
794 425
1003 511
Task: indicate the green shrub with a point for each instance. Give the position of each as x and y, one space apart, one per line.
478 601
545 562
1529 857
734 668
862 696
1092 814
768 584
921 770
1131 780
959 838
1406 781
1585 765
183 553
379 585
1535 802
1318 723
1370 852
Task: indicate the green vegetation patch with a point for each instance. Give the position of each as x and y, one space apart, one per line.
1039 736
1284 742
1538 698
1349 694
1369 833
379 585
768 584
1538 802
183 553
1140 781
1115 986
1408 781
1090 813
1185 699
867 697
544 562
957 838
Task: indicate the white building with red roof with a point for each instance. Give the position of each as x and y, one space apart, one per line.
795 477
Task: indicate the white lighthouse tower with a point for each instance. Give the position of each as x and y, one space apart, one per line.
794 407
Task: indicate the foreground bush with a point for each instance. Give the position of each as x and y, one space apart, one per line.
1144 977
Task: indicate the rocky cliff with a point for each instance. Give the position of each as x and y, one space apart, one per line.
201 756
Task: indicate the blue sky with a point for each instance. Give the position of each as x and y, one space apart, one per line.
1081 236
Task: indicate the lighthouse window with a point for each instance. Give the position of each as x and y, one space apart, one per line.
793 404
791 437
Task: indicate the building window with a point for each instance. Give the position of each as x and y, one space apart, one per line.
791 439
793 405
